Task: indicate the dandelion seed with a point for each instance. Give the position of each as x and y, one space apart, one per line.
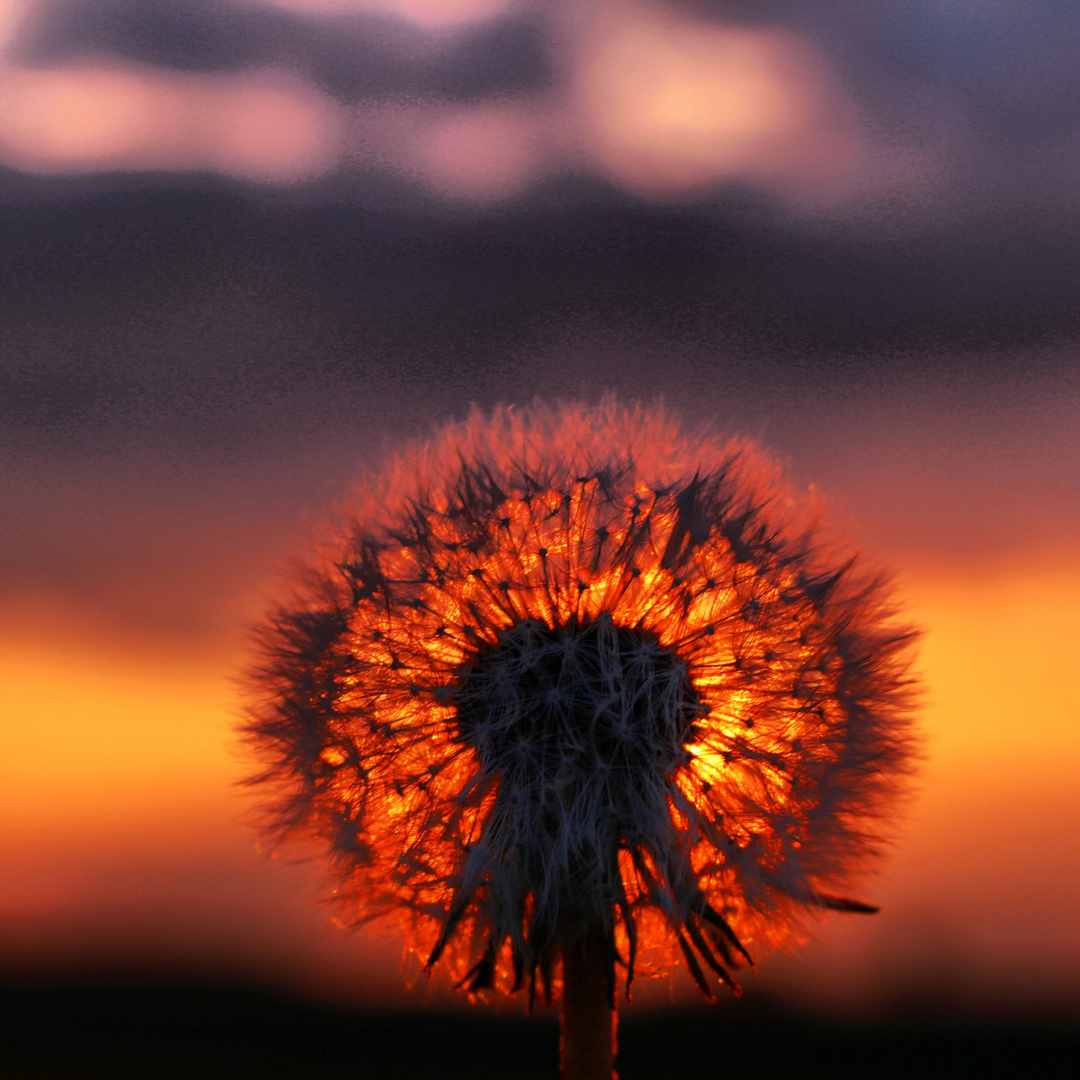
576 687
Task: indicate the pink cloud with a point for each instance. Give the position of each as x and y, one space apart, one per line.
481 153
95 116
668 105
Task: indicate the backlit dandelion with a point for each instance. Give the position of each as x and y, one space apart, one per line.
574 686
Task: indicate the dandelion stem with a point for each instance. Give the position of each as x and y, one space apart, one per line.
588 1021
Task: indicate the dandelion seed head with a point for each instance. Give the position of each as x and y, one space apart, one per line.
571 667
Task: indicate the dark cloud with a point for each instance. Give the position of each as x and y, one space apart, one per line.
353 57
194 300
192 35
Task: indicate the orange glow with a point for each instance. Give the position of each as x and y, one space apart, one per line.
125 842
1001 661
94 740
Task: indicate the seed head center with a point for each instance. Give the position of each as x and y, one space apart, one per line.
576 703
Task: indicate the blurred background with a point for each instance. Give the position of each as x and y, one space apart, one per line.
249 246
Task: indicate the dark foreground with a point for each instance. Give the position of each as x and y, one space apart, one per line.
131 1032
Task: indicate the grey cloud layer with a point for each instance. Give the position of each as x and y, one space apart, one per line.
363 56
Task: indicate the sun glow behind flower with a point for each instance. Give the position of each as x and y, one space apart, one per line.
573 668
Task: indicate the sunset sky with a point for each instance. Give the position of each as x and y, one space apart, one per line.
248 247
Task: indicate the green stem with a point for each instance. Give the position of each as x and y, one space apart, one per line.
587 1050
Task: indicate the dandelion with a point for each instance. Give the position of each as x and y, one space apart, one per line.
576 688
